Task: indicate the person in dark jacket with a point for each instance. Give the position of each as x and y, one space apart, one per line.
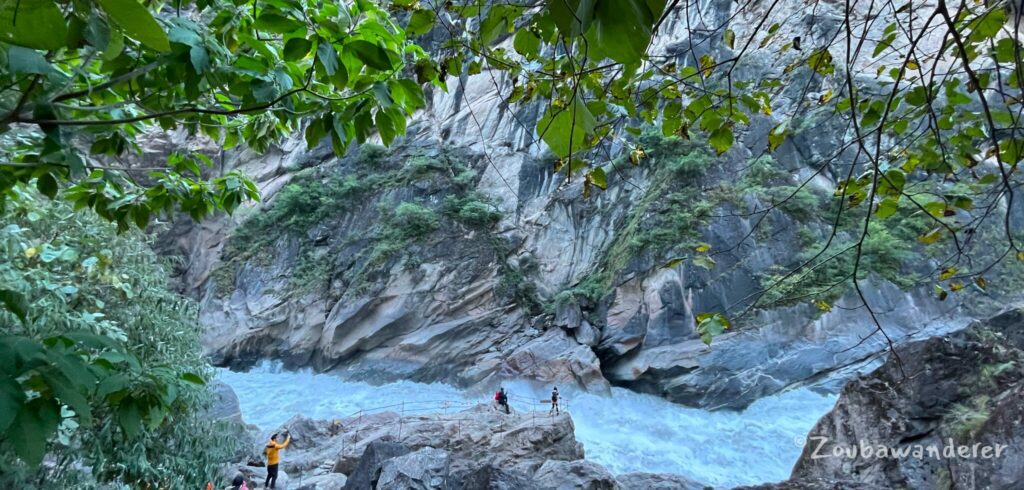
554 400
502 398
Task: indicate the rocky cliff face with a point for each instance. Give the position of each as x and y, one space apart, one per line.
458 256
946 413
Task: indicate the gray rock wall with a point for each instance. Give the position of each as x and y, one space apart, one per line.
436 312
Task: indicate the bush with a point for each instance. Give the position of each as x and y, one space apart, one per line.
420 166
684 159
371 155
414 221
798 202
472 210
80 278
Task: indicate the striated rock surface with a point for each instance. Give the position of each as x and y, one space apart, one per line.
522 276
944 413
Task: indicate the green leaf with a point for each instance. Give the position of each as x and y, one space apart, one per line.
566 130
36 24
500 19
673 263
68 395
572 17
821 62
32 427
193 378
721 139
272 21
778 135
374 56
421 22
527 44
129 418
47 185
622 30
23 61
297 48
12 396
887 207
931 237
327 57
386 127
15 302
136 21
704 262
598 178
988 25
710 325
729 37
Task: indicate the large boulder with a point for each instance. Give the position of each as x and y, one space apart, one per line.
424 469
519 442
224 405
328 481
573 475
368 470
940 413
490 477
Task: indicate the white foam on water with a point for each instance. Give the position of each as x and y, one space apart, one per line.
626 432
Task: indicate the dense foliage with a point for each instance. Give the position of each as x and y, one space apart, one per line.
102 369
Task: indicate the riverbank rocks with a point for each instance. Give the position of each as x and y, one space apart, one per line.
941 413
478 448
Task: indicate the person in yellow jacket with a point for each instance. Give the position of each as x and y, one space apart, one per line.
274 457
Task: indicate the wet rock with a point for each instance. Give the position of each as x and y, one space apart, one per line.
579 474
225 403
423 469
490 477
368 470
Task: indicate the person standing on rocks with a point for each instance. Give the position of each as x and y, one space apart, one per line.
274 457
554 400
502 398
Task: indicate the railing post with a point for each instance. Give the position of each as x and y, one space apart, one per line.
401 419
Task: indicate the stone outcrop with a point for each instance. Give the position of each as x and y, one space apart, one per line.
944 412
475 449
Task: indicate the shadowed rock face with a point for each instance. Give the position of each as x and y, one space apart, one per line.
440 309
962 390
